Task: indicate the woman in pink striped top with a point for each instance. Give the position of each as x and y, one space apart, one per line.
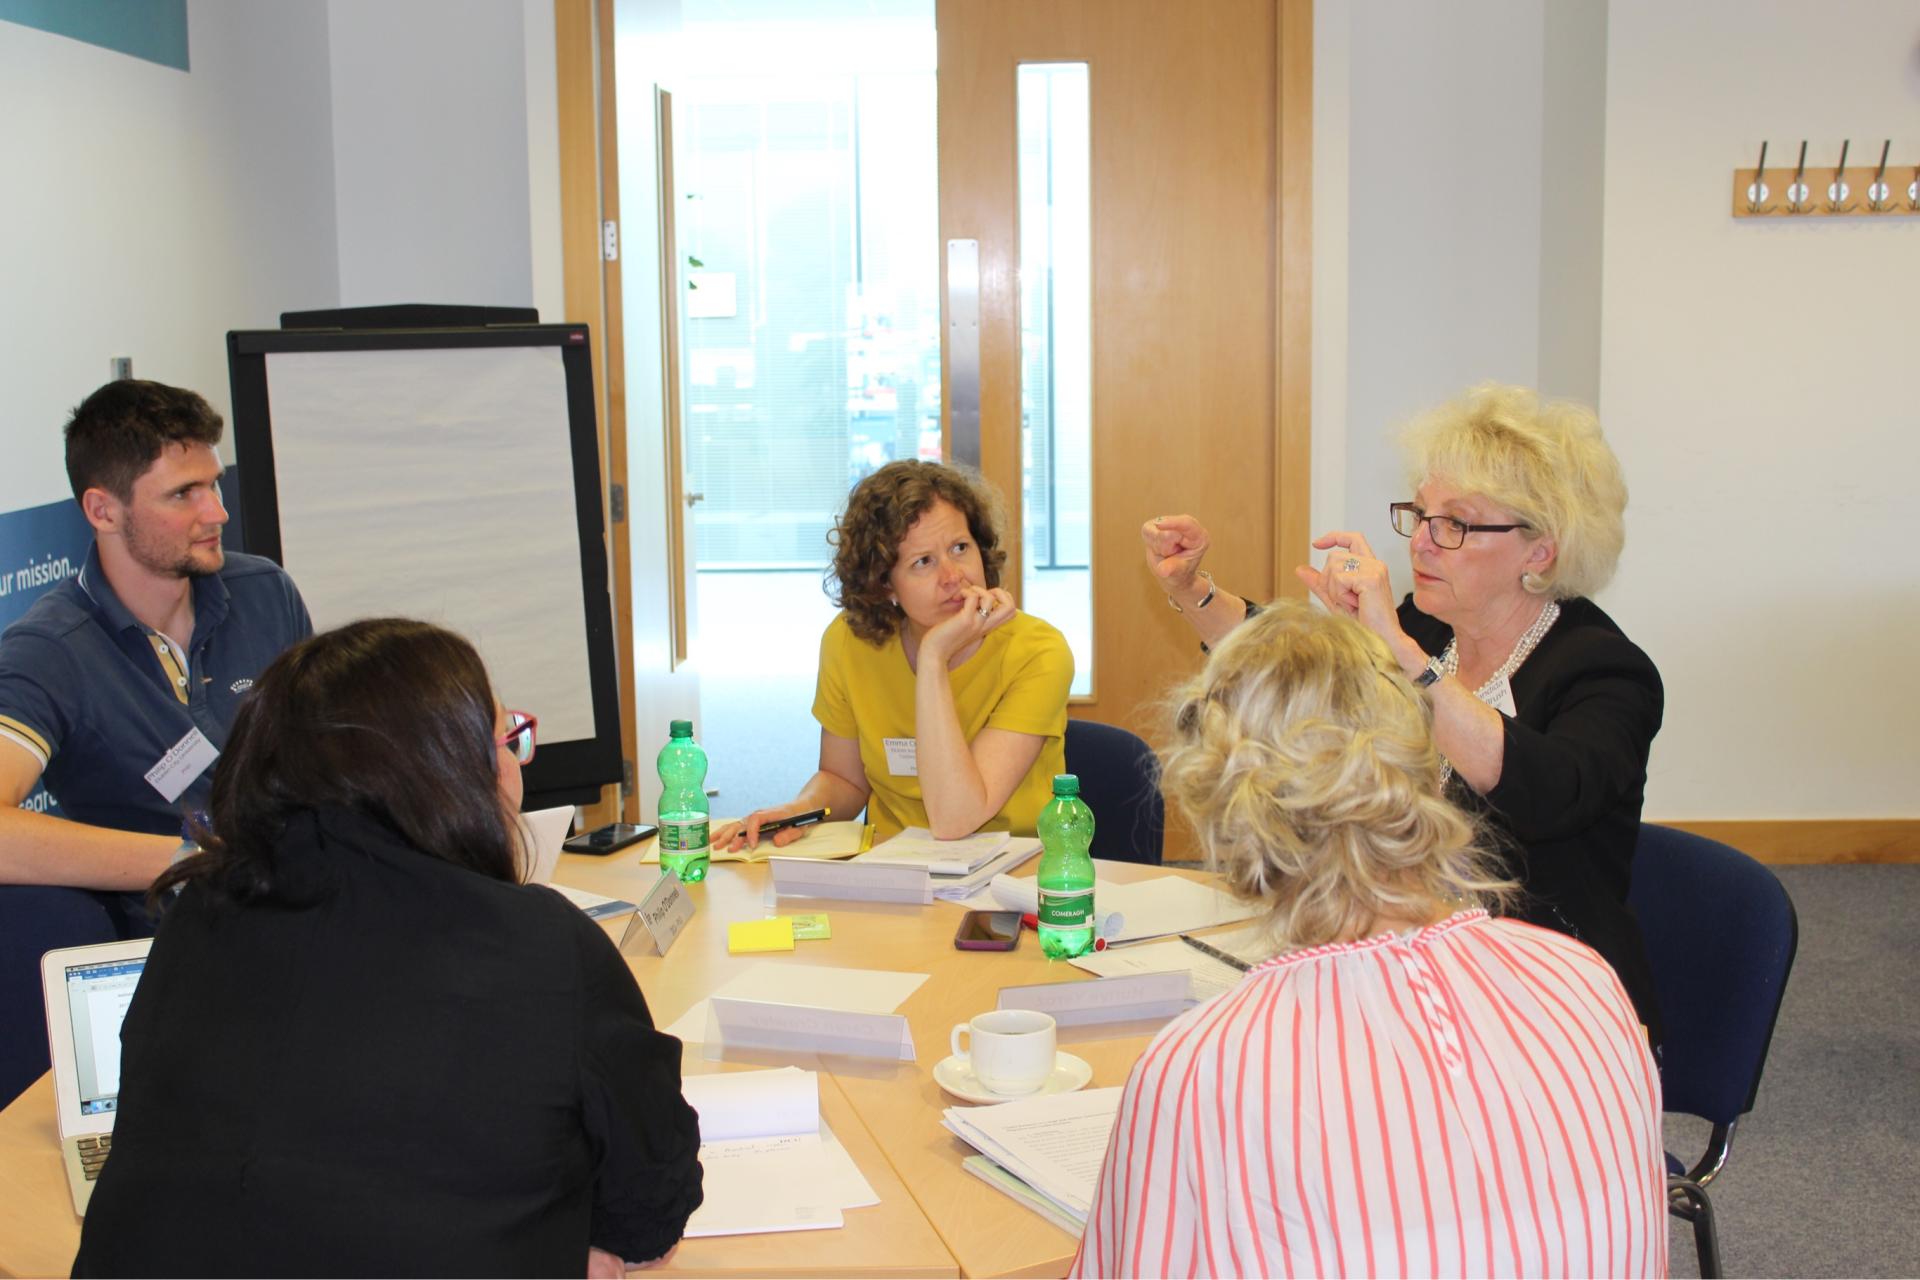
1412 1087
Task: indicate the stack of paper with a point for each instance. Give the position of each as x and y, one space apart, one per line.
1052 1145
770 1163
1140 909
1018 852
959 868
916 847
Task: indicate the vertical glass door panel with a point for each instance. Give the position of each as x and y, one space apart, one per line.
1056 355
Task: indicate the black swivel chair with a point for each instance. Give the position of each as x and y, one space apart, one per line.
1119 780
34 920
1721 935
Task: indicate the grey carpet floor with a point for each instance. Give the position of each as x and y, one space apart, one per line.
1822 1180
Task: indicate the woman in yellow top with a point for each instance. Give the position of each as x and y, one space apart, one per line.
940 704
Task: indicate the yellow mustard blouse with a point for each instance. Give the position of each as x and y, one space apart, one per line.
1017 680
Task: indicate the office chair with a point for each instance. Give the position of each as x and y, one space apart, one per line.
1120 781
36 919
1721 935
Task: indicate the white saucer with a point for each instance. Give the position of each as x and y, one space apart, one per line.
955 1075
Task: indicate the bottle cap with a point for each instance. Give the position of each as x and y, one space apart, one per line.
680 729
1066 784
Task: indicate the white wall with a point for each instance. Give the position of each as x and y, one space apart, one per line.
431 151
1457 171
149 210
1758 380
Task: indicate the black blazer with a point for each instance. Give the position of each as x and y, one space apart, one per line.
421 1071
1574 778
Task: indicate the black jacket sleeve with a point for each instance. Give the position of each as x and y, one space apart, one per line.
645 1138
1583 753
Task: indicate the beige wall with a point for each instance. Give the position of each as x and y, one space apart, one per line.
1759 383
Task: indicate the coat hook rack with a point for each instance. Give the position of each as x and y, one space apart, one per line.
1837 188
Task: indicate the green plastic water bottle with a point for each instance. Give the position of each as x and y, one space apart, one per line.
1066 872
684 845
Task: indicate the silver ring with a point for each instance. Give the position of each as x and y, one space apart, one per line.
1351 564
986 611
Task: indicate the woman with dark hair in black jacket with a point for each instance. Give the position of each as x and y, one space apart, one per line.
361 1045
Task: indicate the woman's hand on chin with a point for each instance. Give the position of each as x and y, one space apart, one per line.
981 610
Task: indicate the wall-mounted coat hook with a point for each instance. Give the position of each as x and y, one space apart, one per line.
1757 190
1838 190
1878 190
1797 190
1865 190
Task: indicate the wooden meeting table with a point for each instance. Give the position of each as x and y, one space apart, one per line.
933 1218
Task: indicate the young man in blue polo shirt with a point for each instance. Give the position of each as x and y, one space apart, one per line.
118 686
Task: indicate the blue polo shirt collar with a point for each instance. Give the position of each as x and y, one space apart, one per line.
211 599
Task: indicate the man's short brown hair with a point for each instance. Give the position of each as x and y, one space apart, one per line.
117 432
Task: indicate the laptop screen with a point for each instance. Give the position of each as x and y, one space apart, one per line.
97 998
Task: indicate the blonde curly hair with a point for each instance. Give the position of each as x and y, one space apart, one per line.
1544 460
1304 760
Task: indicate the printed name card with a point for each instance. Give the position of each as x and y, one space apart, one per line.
1133 998
856 881
804 1028
662 914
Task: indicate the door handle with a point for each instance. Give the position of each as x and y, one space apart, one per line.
696 497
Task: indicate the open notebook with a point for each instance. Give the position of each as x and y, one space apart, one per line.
770 1162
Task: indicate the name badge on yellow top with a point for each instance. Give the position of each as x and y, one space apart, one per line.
901 757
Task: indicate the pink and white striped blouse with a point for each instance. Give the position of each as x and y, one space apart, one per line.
1475 1098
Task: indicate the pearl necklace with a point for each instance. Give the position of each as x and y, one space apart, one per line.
1522 650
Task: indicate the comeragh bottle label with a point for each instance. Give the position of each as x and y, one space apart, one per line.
683 837
1066 908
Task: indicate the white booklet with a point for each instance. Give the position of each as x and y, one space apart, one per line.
770 1163
1054 1144
916 847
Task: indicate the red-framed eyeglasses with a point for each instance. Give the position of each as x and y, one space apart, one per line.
519 737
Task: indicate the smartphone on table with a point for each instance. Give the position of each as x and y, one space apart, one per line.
604 840
988 931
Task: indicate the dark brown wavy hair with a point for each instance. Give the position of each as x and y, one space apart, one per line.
880 511
388 718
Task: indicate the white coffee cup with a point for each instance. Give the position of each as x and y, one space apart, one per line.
1011 1050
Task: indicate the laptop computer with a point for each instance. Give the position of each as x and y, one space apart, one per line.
87 991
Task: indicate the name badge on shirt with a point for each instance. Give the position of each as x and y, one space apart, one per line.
1503 698
901 757
184 762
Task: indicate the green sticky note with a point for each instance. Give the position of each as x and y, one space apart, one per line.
811 928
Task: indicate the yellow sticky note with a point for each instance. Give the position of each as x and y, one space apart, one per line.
761 935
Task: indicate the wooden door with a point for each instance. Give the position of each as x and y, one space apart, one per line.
1199 125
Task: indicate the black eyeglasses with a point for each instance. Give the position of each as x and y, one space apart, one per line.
1447 533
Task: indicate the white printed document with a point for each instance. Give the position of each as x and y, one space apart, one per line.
1053 1144
770 1163
1207 977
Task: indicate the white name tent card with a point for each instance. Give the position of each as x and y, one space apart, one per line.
1134 998
662 914
853 881
805 1028
814 985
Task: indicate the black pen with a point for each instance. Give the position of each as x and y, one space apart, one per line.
1235 961
806 819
